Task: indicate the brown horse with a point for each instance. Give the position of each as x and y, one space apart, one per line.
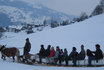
9 52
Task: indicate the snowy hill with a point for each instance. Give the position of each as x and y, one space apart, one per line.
19 11
88 32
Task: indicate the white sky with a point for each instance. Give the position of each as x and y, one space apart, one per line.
74 7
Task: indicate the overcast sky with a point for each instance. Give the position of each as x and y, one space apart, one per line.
74 7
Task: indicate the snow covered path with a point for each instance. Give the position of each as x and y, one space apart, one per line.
16 66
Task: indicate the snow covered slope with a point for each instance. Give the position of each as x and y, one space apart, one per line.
88 32
19 11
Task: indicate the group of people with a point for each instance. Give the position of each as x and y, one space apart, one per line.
53 56
61 55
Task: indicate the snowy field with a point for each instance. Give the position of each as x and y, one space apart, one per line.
88 32
15 66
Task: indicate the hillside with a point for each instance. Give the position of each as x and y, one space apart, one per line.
18 11
88 32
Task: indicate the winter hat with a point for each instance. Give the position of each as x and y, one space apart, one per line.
27 39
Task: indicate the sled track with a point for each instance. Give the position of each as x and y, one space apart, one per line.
50 65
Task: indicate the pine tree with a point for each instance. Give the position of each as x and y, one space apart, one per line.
99 9
82 17
54 23
102 4
1 31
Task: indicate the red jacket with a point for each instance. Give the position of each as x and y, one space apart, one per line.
52 53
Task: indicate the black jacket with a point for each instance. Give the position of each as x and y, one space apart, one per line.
27 48
73 54
81 55
42 52
89 53
98 54
47 52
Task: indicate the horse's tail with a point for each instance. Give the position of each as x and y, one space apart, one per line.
18 54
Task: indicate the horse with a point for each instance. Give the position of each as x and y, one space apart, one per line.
9 52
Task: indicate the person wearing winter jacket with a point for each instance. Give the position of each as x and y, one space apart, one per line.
41 53
48 50
27 47
81 55
90 56
73 56
63 56
57 52
89 53
56 56
50 57
52 53
98 54
53 57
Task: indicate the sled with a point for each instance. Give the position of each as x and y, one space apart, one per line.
33 59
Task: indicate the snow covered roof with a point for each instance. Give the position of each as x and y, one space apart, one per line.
16 27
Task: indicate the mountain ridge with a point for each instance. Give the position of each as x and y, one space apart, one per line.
22 12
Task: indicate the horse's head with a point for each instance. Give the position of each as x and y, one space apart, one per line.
2 47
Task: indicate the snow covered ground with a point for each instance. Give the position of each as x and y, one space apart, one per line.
88 32
15 66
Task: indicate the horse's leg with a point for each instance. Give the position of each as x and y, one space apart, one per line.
2 57
13 58
18 55
18 58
